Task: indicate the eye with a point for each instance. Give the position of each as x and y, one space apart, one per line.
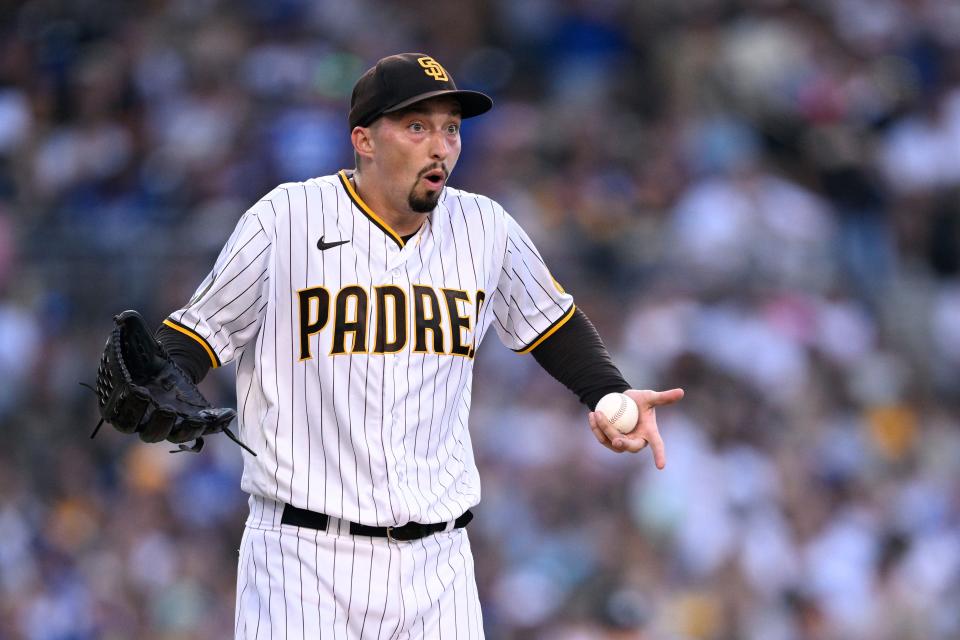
453 129
416 127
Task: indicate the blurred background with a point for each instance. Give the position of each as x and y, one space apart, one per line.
757 200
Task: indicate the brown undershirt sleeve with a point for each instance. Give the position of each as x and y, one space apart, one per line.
575 356
185 351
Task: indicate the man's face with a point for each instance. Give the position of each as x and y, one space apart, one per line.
416 150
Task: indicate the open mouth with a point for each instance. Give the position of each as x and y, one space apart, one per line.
435 177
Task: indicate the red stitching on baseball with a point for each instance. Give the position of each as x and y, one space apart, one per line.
619 413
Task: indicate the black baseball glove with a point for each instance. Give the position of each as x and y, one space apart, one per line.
141 390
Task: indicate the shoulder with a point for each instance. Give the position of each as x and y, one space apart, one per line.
284 193
295 198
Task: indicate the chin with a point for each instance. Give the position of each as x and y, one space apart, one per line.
424 203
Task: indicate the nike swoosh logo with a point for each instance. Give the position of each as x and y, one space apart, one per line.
323 246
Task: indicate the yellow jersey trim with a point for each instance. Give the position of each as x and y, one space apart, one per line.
550 331
214 360
357 200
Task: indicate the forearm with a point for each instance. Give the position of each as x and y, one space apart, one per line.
576 356
185 351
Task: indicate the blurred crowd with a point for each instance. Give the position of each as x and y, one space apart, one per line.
756 200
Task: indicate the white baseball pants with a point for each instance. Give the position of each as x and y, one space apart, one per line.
300 583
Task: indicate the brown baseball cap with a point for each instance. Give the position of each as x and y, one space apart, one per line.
400 80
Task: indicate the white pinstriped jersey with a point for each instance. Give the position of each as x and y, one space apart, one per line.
355 349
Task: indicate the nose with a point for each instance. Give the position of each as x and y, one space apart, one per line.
439 146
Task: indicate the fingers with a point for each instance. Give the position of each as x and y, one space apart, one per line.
608 429
632 442
661 398
659 451
612 439
646 431
598 433
635 444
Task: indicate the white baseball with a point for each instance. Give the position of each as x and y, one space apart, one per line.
620 410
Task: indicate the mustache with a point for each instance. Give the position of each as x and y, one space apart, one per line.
442 167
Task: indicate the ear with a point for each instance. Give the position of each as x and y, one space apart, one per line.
362 139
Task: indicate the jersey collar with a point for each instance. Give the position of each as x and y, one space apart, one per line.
366 210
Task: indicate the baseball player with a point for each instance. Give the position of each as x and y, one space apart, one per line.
353 305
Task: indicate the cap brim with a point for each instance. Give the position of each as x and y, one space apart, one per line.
472 103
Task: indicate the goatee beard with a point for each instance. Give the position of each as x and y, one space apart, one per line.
427 202
423 204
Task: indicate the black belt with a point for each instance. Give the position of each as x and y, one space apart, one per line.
410 531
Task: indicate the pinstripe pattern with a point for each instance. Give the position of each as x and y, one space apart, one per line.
352 587
376 438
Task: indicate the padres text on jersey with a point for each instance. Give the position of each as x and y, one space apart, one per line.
354 348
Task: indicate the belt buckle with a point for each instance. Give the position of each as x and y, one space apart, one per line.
390 534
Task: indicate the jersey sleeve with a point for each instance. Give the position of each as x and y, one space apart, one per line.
226 310
528 304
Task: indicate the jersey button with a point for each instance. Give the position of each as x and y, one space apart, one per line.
395 273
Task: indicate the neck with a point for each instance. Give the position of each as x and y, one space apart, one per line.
401 219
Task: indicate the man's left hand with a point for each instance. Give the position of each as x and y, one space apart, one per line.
645 432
